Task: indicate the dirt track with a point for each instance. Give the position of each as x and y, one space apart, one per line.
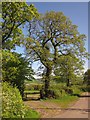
78 110
49 110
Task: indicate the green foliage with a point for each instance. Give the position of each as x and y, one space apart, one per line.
65 101
12 104
57 79
14 15
68 69
61 89
31 91
87 77
76 89
85 88
57 30
15 69
58 89
32 114
33 86
54 38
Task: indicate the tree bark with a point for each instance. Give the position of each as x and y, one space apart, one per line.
68 83
47 81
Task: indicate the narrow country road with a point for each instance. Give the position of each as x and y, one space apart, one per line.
79 110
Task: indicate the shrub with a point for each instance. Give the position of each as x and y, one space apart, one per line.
33 86
76 89
88 88
15 68
85 88
29 87
12 104
58 89
69 91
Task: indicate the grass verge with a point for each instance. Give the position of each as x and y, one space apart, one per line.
32 114
65 101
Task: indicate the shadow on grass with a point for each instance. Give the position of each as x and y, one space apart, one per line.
31 98
78 95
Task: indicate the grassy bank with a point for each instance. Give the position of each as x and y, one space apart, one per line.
32 114
65 101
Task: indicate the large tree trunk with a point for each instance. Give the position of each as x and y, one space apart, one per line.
68 82
47 82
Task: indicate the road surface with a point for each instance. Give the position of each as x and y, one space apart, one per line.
51 110
79 110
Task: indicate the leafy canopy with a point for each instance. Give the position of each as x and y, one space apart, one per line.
52 36
68 68
14 15
15 69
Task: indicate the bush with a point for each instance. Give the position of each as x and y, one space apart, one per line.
15 68
76 89
58 89
85 88
33 86
88 88
12 104
69 90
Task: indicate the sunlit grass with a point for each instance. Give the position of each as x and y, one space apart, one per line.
31 91
64 101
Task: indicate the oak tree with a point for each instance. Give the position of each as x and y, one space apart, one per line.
52 36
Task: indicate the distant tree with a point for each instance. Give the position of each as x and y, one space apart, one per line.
14 15
87 77
51 37
15 69
69 68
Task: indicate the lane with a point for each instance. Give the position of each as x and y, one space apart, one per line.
78 110
51 110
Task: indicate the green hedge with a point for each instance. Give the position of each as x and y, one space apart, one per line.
61 90
85 88
33 86
58 89
12 104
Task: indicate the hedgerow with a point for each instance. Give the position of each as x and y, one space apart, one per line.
12 104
